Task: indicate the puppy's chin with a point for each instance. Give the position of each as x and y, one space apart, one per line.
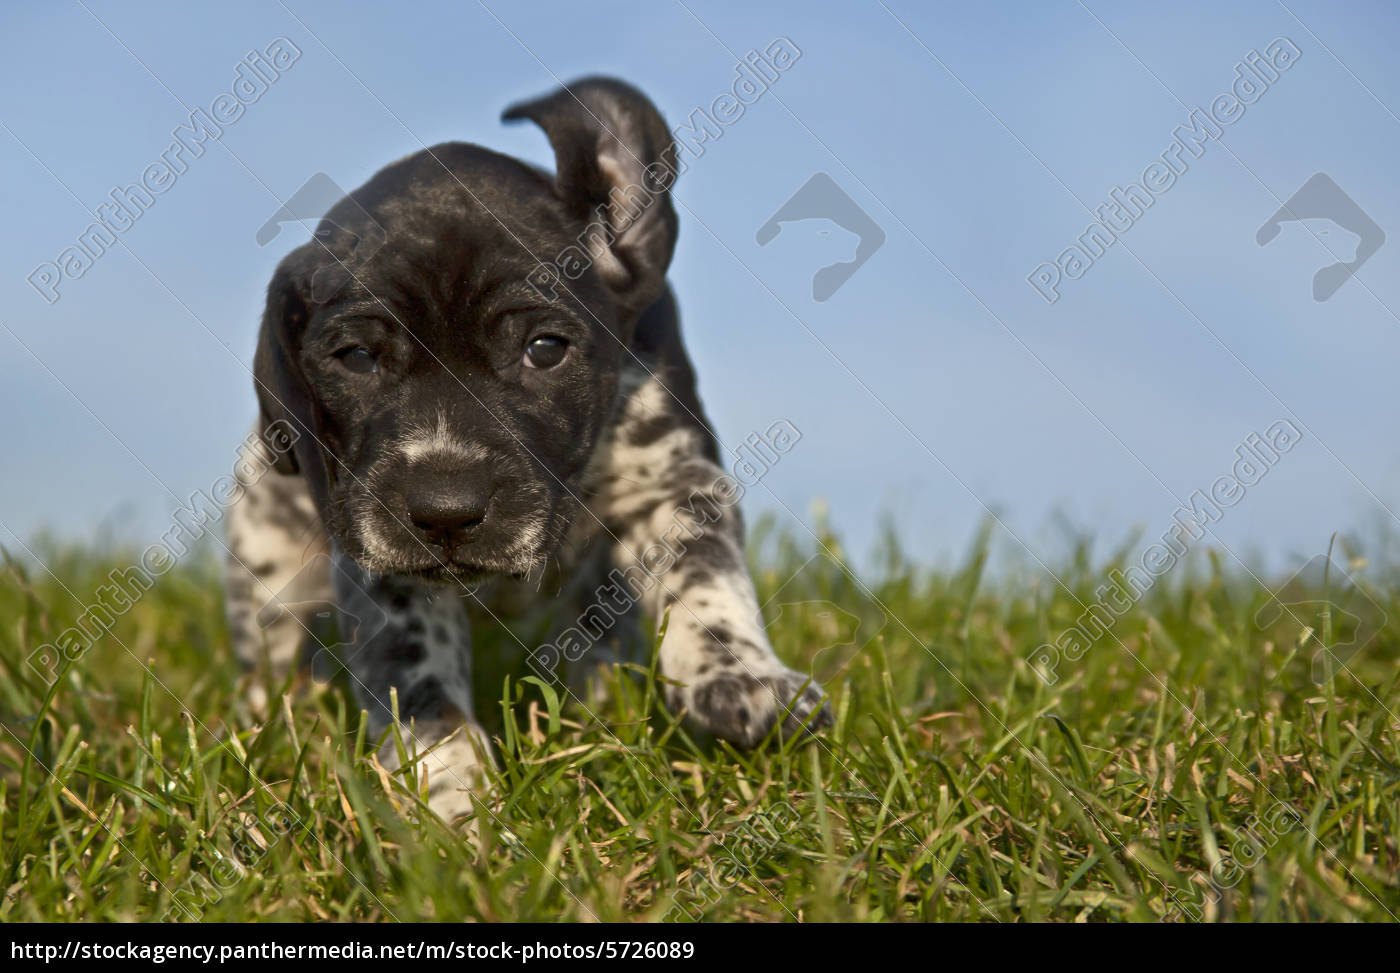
470 566
517 548
443 570
448 574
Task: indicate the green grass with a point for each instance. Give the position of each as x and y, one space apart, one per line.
956 784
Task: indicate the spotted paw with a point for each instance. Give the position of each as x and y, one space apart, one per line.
742 706
453 758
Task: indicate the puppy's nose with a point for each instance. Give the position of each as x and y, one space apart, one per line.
448 515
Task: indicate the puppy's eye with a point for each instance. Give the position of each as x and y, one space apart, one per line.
358 359
546 351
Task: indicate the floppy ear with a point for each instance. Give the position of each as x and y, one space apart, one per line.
345 241
284 398
615 162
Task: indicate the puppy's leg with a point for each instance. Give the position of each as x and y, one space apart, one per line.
673 510
278 578
414 637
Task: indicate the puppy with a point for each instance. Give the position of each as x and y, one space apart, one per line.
477 374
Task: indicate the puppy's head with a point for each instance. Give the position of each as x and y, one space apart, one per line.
450 342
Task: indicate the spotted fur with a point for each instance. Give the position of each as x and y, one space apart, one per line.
675 523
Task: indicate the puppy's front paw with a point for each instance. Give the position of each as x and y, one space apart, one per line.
453 758
742 706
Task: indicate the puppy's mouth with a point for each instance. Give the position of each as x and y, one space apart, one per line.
510 544
440 567
515 552
454 573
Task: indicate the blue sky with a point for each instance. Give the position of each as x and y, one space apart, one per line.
935 385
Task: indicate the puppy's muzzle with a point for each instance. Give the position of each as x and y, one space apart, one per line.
448 511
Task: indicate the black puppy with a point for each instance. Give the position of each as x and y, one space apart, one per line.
481 368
